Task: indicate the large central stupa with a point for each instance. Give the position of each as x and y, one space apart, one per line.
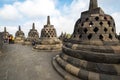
93 51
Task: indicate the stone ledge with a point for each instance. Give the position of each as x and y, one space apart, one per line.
62 72
93 56
103 68
48 47
84 74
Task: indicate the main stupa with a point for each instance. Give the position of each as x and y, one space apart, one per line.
93 51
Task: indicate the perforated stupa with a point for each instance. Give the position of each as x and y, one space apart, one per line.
48 39
19 36
93 51
33 35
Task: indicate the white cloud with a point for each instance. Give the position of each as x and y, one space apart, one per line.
29 8
71 14
33 8
10 29
116 16
9 12
36 11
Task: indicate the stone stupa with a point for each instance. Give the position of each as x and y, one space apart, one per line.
48 39
5 34
93 51
33 35
19 36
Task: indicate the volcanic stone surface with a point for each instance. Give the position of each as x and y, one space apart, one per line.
48 39
93 51
18 62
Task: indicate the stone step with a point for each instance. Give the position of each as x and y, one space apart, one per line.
93 56
62 72
103 68
84 74
94 48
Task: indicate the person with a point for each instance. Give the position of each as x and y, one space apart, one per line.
33 43
9 39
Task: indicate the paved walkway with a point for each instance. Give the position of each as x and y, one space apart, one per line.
20 62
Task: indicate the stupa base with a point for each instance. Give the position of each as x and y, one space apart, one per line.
73 63
19 41
27 43
48 47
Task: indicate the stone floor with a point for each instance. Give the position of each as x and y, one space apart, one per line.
18 62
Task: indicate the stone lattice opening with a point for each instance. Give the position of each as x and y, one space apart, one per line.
105 29
110 36
85 30
86 19
105 18
80 36
89 36
101 37
114 24
97 18
96 29
101 23
82 24
109 23
112 30
91 23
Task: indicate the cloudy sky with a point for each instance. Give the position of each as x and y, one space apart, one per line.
64 13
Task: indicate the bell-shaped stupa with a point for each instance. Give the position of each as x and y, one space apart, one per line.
19 36
93 51
5 34
48 39
33 35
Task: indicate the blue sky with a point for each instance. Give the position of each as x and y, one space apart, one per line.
3 2
64 13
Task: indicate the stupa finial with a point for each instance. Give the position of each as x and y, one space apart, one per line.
33 26
5 30
93 4
48 20
19 28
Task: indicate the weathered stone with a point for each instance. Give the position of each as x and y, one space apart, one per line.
93 49
5 34
33 35
19 36
64 37
48 39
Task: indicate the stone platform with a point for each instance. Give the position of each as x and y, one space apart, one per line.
18 62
